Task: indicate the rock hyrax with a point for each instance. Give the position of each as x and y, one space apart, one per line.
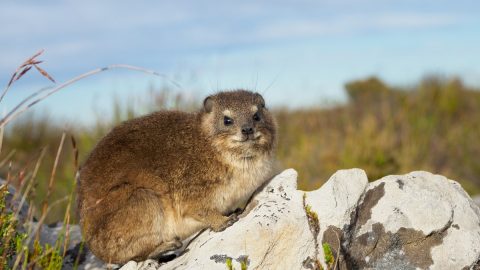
156 180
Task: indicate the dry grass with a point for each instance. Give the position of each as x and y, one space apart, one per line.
33 167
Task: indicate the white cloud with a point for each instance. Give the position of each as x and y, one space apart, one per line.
304 28
111 29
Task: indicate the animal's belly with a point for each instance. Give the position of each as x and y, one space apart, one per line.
181 227
188 227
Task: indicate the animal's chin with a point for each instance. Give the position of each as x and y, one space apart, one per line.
246 149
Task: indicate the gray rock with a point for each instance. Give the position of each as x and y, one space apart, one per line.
413 221
418 220
476 199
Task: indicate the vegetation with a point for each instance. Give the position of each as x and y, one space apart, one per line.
15 248
314 225
10 238
243 260
329 259
228 262
20 224
382 129
385 130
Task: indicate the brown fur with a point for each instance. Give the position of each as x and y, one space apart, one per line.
156 180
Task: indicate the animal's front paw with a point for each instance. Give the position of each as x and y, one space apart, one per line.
227 223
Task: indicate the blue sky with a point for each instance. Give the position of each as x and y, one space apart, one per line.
302 51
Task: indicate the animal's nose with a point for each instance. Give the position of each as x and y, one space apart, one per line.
247 130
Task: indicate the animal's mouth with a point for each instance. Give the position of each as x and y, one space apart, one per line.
248 138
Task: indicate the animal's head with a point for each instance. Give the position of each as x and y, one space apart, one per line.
239 122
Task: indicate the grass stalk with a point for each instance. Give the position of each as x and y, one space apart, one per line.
19 109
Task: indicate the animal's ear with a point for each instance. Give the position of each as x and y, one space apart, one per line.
208 104
259 100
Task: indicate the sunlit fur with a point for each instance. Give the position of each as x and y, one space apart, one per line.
158 179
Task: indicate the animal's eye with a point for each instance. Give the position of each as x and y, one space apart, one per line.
227 121
256 117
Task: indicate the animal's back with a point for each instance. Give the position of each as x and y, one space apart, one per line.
159 141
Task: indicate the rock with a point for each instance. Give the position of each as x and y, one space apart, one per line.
476 199
146 265
418 220
413 221
272 226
